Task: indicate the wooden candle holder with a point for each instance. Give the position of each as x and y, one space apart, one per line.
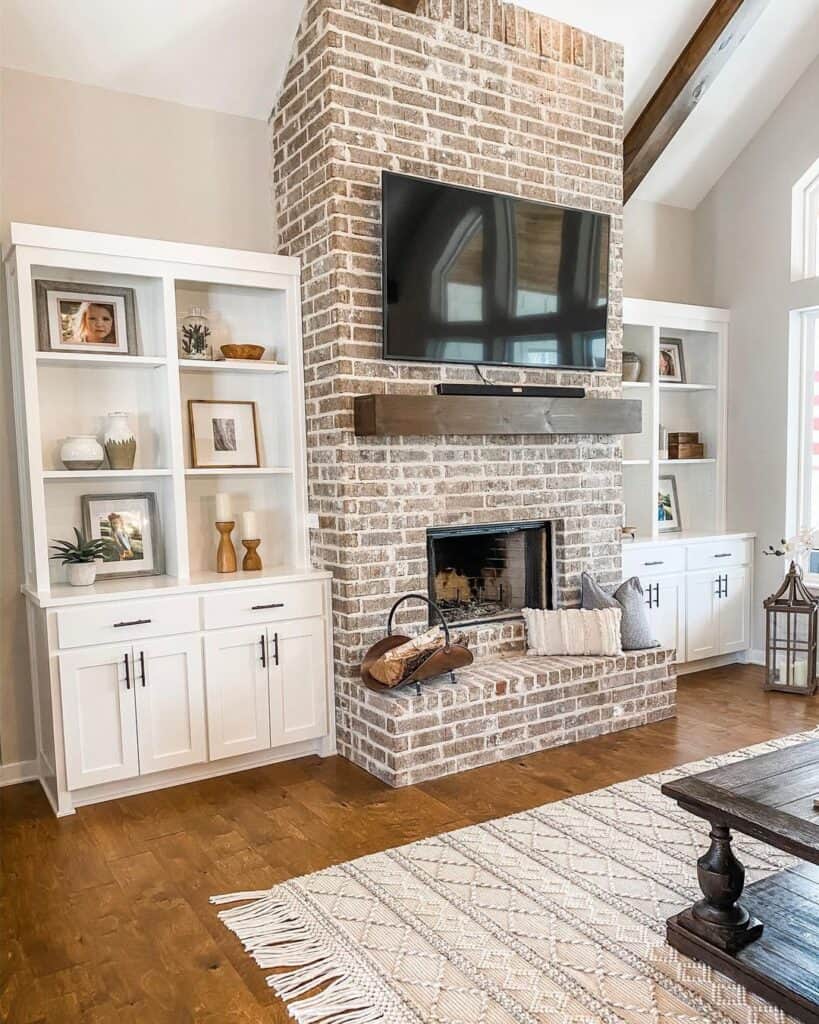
251 562
225 553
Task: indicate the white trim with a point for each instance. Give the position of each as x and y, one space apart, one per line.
18 771
755 657
42 237
805 226
196 773
689 667
649 312
803 328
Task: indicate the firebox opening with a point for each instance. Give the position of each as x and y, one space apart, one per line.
489 573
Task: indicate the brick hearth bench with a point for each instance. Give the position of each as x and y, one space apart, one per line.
500 708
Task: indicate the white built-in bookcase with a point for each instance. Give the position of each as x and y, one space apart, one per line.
697 405
250 298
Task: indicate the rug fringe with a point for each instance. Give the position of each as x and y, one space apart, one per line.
275 936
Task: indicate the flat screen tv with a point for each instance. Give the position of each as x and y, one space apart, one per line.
477 277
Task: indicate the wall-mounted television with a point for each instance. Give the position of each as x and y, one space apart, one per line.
483 278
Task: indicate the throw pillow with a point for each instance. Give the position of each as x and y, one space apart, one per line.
629 597
573 631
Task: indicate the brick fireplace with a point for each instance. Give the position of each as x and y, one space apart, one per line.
470 92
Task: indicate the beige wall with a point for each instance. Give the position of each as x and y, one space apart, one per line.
658 252
80 157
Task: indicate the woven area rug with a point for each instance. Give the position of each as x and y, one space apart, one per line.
553 916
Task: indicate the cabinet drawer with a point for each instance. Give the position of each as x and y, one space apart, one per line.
653 561
719 553
262 604
131 620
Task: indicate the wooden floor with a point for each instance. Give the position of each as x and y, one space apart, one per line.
104 916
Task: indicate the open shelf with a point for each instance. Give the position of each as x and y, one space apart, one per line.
232 366
251 471
102 474
687 462
79 360
676 407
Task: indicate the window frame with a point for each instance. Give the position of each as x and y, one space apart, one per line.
805 226
803 389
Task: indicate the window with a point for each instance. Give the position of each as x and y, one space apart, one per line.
803 430
805 229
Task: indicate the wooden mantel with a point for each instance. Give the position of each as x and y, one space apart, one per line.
438 415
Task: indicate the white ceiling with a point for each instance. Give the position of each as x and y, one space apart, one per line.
230 55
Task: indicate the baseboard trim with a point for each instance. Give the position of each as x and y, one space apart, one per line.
756 657
17 772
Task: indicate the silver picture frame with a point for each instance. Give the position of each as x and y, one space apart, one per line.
154 534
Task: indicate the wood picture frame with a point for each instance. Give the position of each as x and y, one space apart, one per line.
223 433
54 299
141 532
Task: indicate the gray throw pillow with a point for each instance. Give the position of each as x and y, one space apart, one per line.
635 629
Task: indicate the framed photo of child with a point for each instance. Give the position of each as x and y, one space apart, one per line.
668 506
96 319
671 361
131 522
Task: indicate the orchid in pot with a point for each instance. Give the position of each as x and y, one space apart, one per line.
80 556
797 548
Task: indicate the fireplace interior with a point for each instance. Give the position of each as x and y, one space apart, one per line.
489 573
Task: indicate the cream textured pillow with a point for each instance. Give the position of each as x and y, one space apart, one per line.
573 631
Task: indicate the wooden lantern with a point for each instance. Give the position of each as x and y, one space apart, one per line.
791 616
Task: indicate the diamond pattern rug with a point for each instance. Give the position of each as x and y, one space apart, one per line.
553 916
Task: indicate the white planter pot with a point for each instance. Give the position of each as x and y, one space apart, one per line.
81 574
82 451
120 443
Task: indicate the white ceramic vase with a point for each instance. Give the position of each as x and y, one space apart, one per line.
82 451
120 442
81 574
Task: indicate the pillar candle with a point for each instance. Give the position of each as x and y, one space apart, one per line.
250 528
223 508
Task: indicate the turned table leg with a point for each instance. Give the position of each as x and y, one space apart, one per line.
719 918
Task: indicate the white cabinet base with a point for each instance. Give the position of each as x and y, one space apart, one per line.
324 747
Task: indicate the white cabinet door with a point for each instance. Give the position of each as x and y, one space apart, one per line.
298 681
702 616
236 683
734 610
665 602
170 698
99 715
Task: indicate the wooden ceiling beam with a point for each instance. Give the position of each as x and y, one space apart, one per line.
707 52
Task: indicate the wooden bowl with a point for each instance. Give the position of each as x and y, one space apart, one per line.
243 351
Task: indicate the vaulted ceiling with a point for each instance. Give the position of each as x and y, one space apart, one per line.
230 55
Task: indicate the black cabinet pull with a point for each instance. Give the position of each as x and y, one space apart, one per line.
656 595
725 586
142 665
127 674
725 554
135 622
264 607
264 651
719 586
276 649
661 562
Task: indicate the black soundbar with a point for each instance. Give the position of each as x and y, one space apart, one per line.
511 390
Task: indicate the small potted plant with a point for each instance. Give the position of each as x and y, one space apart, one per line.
81 557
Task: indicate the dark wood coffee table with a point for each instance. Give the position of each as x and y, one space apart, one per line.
769 942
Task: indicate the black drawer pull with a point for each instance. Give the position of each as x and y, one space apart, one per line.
142 665
135 622
264 607
726 554
127 674
264 651
661 562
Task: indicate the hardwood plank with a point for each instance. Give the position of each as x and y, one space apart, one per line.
709 49
104 918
